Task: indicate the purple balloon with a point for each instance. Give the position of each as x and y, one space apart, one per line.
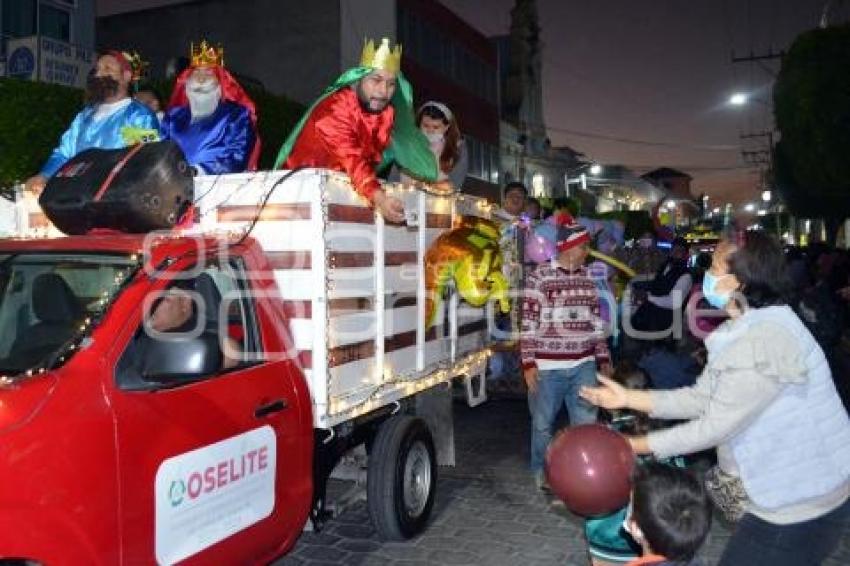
547 230
540 243
538 249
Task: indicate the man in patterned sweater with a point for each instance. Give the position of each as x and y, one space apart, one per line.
562 340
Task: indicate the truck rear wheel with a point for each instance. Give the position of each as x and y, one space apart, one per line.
402 478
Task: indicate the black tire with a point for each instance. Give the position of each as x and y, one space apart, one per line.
403 452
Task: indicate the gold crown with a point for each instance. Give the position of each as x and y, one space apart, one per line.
137 66
206 55
381 58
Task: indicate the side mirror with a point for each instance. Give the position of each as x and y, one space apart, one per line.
175 360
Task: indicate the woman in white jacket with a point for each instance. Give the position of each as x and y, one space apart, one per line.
767 401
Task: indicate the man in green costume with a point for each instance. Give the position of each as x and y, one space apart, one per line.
359 125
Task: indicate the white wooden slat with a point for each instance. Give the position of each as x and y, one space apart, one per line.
302 333
349 379
355 327
280 235
351 282
297 284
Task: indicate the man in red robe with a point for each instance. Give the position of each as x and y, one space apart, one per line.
364 121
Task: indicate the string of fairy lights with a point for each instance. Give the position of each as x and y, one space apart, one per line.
389 384
85 328
403 384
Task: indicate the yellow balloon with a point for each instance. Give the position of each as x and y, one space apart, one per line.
616 263
470 255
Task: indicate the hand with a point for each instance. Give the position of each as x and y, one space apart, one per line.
639 444
530 376
610 395
35 184
443 186
390 208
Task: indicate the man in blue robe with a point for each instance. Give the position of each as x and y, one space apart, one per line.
110 120
211 117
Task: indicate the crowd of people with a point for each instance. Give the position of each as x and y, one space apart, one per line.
756 368
738 355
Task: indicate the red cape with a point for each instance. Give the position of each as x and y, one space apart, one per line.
230 90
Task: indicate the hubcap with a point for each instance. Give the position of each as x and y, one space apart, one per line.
417 479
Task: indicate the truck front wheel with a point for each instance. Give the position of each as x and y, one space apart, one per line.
402 477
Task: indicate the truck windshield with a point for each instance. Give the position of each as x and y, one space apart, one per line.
46 299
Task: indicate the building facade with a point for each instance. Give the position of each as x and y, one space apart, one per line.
47 40
448 60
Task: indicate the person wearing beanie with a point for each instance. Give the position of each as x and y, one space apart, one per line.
563 339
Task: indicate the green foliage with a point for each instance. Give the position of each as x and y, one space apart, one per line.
32 117
277 115
812 108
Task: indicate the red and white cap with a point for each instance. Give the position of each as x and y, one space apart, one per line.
570 233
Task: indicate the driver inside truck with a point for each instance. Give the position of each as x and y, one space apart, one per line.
186 305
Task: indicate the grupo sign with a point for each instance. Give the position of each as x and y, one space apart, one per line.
48 60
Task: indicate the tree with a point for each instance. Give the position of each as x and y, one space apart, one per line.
811 101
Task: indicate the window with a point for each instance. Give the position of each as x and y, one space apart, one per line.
19 18
45 300
55 23
197 327
432 48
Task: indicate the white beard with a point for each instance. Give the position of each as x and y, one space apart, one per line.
203 99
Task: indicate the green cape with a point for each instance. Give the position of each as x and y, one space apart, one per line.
408 146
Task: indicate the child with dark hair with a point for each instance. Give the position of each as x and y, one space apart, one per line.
669 516
607 543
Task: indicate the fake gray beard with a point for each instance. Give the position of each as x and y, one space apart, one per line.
202 101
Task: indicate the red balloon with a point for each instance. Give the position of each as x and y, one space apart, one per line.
589 468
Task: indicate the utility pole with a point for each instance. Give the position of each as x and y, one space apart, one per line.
760 157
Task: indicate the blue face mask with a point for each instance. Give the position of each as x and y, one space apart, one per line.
709 291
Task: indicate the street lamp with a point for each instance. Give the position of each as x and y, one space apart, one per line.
749 207
744 99
738 99
595 169
765 195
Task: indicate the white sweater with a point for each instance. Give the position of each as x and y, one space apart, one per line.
767 401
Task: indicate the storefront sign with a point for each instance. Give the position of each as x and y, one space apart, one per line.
48 60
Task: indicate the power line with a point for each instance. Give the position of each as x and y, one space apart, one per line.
632 141
691 168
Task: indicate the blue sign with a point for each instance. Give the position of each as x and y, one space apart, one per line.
21 63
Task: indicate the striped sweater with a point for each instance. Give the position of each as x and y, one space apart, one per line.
561 323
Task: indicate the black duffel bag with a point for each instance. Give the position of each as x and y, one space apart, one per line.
137 189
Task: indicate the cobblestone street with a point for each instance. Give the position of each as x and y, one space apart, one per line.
487 512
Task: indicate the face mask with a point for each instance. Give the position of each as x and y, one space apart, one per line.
709 291
435 137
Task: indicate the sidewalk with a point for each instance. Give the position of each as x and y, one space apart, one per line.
487 511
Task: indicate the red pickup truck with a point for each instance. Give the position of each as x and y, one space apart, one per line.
186 398
109 457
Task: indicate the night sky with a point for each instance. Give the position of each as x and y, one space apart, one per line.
660 71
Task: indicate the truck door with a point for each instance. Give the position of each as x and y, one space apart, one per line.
213 445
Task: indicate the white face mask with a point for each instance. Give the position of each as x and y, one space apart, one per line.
203 97
435 137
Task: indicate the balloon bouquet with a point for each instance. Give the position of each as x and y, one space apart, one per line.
540 243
